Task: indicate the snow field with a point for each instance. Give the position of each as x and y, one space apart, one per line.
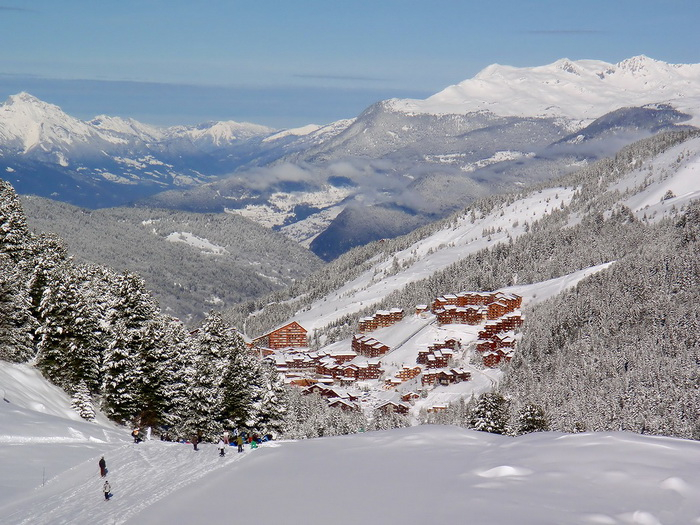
139 474
434 474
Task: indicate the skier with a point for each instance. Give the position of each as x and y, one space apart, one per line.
222 448
195 440
135 435
239 442
107 489
103 466
226 437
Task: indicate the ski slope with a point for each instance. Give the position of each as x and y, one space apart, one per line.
139 475
50 475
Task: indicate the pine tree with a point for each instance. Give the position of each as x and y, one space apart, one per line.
245 387
156 361
270 401
130 318
15 238
121 377
386 420
531 418
490 413
176 373
213 347
82 403
16 322
67 348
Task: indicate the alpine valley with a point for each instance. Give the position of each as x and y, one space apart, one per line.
508 304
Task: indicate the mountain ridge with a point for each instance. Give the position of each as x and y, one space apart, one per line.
538 91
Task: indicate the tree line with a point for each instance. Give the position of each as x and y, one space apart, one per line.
100 335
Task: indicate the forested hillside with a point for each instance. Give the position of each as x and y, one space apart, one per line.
191 262
621 351
100 336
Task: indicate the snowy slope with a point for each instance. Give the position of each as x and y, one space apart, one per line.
450 475
579 90
48 461
410 476
664 184
425 257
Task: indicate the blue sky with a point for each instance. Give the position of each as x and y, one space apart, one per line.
291 62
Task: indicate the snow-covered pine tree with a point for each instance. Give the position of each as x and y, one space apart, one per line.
177 373
82 403
270 402
130 318
530 418
386 420
67 349
16 322
213 346
490 413
15 237
245 387
304 415
156 370
121 377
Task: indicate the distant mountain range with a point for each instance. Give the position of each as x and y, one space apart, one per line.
398 165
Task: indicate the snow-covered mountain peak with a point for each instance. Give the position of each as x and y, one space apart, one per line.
30 123
24 105
222 132
580 90
23 98
645 66
127 126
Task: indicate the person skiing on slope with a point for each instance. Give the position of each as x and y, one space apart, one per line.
222 448
103 466
239 442
107 489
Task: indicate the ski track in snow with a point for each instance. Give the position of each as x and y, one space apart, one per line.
139 474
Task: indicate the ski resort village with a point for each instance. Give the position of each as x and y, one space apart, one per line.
478 307
404 363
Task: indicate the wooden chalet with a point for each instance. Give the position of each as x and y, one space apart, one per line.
368 346
343 356
380 319
474 307
493 358
290 335
445 376
343 404
422 309
389 407
410 397
408 372
370 369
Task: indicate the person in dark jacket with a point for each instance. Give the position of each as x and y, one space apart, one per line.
103 466
195 440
